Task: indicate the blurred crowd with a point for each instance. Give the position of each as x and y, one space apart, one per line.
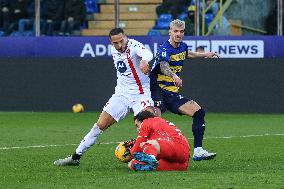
58 17
185 10
68 17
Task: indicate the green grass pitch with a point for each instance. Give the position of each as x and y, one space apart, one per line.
249 153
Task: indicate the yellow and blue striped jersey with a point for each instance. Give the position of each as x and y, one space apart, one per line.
175 57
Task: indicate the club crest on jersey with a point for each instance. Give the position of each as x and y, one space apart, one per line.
121 66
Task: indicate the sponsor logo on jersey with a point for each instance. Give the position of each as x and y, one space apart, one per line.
121 66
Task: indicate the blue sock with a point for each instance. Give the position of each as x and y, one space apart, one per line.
198 127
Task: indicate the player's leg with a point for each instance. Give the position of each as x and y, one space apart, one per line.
160 165
192 109
170 156
157 97
174 156
115 110
165 165
142 102
151 147
147 159
174 151
105 120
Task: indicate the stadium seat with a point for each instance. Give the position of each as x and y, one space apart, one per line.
154 32
29 33
163 21
165 17
182 16
16 34
208 18
1 33
91 6
162 25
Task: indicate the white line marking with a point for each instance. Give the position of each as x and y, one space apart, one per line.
247 136
38 146
60 145
49 145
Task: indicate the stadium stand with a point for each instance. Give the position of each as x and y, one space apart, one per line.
91 6
140 17
57 16
163 21
137 17
154 32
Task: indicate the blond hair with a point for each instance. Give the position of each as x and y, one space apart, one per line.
178 23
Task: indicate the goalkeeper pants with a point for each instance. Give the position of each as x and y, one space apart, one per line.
174 156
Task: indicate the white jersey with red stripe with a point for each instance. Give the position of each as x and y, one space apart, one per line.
130 79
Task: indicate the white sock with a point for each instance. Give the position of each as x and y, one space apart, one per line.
89 140
197 149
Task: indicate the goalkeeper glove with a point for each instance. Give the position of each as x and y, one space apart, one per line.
128 145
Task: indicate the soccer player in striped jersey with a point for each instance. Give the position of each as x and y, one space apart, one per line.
132 91
166 81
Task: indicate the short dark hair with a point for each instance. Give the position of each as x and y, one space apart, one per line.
115 31
145 114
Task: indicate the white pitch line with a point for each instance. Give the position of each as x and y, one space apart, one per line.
60 145
247 136
38 146
49 145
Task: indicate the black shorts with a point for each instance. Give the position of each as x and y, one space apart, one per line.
167 101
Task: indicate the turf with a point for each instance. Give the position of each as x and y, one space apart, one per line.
249 153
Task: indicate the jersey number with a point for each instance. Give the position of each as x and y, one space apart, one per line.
145 104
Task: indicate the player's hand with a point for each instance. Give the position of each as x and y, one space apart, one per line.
212 55
177 80
144 67
126 153
129 144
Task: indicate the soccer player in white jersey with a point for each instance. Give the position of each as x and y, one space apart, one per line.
131 59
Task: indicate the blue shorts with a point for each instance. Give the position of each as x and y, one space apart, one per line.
167 101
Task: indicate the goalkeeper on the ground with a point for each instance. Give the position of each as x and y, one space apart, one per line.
160 145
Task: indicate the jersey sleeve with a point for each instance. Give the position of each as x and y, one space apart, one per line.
143 135
163 54
142 51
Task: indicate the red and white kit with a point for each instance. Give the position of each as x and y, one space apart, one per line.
133 87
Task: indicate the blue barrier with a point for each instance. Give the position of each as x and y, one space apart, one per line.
227 47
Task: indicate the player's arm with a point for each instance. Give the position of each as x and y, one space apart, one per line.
146 56
144 132
166 70
136 147
192 54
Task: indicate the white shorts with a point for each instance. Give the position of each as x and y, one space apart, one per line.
119 105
